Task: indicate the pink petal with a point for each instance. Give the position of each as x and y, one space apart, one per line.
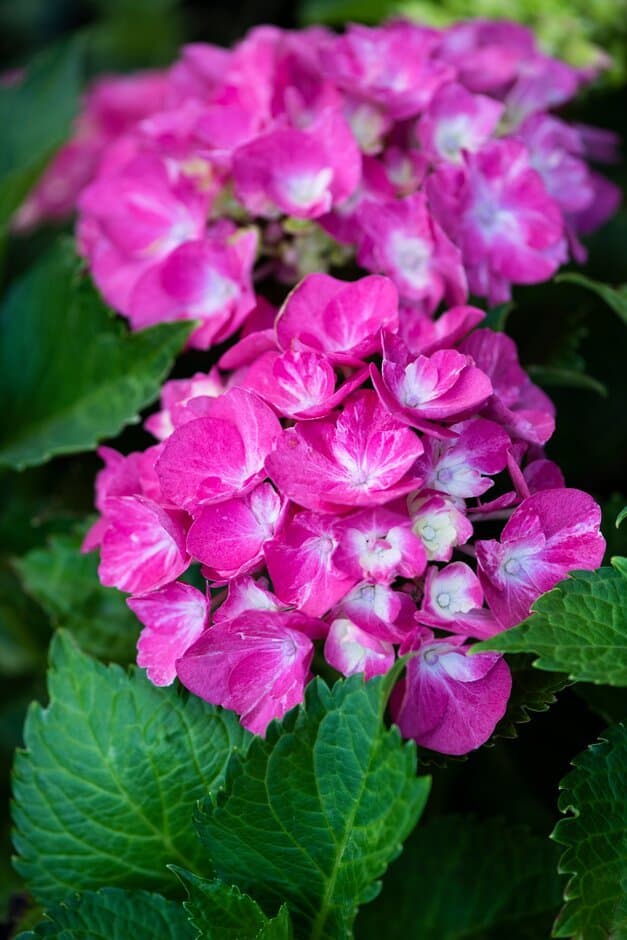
174 617
143 547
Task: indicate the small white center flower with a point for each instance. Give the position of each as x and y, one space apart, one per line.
307 189
411 255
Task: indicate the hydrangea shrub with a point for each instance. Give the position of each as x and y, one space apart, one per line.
345 519
329 474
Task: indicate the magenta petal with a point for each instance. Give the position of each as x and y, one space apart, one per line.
256 665
351 650
228 537
358 458
214 458
173 618
300 563
451 702
552 532
143 546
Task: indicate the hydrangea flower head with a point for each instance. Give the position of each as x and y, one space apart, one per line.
428 155
332 504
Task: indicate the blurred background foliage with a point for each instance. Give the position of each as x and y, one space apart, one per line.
576 30
564 331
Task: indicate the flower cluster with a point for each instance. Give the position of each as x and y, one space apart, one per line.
329 482
430 156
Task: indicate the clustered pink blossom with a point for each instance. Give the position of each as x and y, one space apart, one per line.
338 483
429 156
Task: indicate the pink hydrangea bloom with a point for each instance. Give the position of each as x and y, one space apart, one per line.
517 404
449 701
361 457
380 545
300 383
453 600
301 563
333 480
342 320
551 533
174 617
336 528
143 545
257 665
207 280
302 173
457 121
393 66
439 523
403 240
175 394
350 650
497 209
228 537
462 466
431 154
446 386
220 455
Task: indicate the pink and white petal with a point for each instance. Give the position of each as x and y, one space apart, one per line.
174 617
143 547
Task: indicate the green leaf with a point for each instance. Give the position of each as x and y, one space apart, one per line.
35 116
532 691
221 912
71 374
605 700
496 318
103 793
621 517
580 628
615 534
614 297
461 878
339 12
315 812
112 914
65 583
556 376
595 836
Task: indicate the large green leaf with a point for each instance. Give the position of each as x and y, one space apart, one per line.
113 914
614 297
35 116
313 814
595 834
549 376
532 691
70 373
65 583
580 628
461 878
113 766
221 912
